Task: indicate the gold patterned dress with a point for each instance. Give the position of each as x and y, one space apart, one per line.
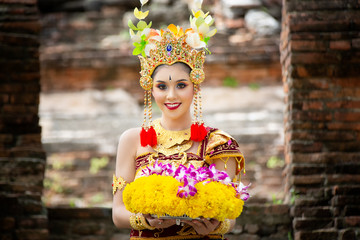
172 147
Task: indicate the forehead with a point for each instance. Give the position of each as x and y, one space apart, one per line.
175 70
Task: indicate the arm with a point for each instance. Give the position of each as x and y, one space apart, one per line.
125 167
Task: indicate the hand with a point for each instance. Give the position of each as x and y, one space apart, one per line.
203 226
159 223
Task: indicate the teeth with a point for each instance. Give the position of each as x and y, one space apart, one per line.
172 104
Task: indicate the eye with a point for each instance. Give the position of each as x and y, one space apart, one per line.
161 86
181 85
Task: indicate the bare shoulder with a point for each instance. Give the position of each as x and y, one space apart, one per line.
131 134
129 142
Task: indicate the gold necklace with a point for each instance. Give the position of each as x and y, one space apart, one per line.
171 142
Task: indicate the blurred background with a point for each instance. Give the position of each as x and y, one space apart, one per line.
91 92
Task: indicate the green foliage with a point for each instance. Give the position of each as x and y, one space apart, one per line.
72 203
97 198
97 164
293 197
53 185
230 82
275 200
290 236
254 86
275 162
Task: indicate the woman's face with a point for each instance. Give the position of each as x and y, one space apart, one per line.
173 91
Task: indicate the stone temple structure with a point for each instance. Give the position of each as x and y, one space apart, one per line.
319 49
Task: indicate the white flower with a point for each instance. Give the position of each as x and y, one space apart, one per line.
194 40
143 2
148 47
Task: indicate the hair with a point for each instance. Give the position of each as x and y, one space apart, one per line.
184 65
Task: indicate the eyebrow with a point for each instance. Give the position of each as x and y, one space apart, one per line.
180 80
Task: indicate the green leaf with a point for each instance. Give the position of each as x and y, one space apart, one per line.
199 21
206 39
136 51
141 25
132 26
150 24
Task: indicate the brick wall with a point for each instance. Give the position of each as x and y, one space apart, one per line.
96 224
22 160
320 55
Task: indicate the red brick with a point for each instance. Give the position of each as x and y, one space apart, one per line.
314 58
345 200
308 45
19 40
297 169
31 2
307 125
310 84
347 234
321 135
352 221
355 43
4 98
326 157
340 45
346 190
347 116
343 179
348 93
25 98
317 235
28 140
306 147
343 104
316 116
342 146
349 82
313 106
312 223
307 180
7 223
343 126
18 109
313 94
312 212
30 27
6 138
32 234
33 222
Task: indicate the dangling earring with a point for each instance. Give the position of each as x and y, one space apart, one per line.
147 134
198 130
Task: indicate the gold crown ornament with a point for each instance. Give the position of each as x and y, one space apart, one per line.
169 46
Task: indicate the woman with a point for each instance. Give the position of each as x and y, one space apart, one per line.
171 73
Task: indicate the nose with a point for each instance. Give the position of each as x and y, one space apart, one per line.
171 96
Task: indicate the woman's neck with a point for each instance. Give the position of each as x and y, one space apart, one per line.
176 125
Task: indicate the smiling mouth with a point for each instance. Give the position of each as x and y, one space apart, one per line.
172 106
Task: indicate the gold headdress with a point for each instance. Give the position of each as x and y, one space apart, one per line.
169 46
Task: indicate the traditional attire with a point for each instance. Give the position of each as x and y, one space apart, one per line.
172 148
216 145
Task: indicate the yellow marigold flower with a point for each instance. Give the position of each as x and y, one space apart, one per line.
157 195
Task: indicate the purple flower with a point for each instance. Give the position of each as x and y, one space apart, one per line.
242 191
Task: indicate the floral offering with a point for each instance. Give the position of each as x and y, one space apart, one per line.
163 189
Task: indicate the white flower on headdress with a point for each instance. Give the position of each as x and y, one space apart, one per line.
194 40
152 36
143 2
201 23
194 4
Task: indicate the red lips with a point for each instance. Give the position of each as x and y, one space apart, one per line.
172 106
